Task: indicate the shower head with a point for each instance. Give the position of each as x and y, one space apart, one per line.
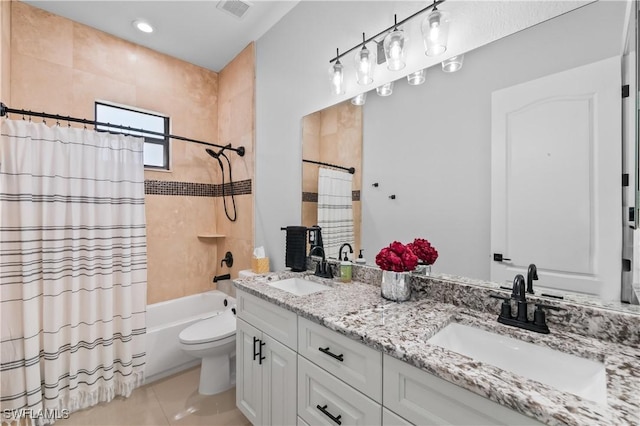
211 153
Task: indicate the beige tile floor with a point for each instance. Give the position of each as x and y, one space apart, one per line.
171 401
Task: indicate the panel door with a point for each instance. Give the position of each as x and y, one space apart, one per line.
248 372
279 383
555 184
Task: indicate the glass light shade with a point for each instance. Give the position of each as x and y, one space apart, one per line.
359 99
336 73
365 59
416 78
385 89
394 49
435 32
452 64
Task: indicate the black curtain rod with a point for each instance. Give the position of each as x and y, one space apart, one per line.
395 25
4 110
349 169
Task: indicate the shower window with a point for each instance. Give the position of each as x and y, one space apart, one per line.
156 148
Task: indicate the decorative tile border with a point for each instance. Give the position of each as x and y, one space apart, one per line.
193 189
312 197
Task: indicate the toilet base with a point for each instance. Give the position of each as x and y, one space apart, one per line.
215 375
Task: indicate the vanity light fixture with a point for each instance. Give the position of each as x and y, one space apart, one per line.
453 64
142 26
435 29
385 89
365 59
435 32
394 48
337 76
416 78
360 99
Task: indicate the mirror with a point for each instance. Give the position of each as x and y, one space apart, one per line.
333 136
430 145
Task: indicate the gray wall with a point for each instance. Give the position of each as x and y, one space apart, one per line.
430 145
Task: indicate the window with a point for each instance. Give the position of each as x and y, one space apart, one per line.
156 148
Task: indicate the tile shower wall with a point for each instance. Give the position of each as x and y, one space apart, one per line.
332 135
236 112
63 67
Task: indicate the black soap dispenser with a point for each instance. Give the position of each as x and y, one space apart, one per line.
360 260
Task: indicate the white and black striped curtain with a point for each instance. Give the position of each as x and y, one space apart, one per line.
335 209
73 269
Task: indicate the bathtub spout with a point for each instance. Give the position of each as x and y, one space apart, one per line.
221 277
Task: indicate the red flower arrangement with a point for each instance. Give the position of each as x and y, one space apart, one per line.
397 258
424 251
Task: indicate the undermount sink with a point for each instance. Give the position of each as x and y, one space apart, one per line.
299 286
568 373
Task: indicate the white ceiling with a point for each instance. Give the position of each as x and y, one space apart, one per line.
194 31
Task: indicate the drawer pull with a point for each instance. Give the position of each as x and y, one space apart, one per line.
255 351
261 357
328 414
331 354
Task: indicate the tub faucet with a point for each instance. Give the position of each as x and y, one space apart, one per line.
532 274
322 268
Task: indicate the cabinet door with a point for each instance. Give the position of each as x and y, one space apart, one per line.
248 372
278 383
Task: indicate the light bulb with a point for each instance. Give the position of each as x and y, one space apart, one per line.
337 78
435 31
364 64
394 50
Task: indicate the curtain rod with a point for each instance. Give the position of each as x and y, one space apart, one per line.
4 110
351 170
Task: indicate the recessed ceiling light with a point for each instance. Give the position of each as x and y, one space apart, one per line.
143 26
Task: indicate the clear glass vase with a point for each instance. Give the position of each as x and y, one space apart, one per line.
395 286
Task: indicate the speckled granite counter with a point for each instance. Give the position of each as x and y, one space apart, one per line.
401 330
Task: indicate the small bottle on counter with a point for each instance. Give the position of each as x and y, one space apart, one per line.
360 260
345 270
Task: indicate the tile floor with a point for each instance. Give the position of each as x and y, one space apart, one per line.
171 401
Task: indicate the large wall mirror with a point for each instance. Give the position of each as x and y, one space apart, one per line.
433 147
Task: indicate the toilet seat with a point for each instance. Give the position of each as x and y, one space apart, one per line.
210 330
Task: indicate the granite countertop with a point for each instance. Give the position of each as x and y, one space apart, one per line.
402 329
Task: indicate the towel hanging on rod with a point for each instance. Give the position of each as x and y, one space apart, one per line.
4 110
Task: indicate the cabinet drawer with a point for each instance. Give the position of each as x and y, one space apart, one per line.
353 362
425 399
269 318
317 388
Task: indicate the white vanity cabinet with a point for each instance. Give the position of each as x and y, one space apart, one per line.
424 399
265 366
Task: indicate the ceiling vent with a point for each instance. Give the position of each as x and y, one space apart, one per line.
237 8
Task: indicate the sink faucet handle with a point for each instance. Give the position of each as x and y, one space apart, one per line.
539 317
505 309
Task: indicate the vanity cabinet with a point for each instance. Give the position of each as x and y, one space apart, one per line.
265 366
425 399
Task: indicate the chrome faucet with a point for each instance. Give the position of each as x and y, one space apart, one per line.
532 274
322 268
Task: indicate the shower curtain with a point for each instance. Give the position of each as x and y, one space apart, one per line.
335 209
72 269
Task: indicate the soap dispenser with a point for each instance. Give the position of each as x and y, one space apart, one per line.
360 260
345 266
345 269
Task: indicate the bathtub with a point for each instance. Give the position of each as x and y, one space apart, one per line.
165 321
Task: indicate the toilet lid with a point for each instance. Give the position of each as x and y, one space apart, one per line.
210 329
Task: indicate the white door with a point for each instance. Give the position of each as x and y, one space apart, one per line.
248 372
279 384
556 179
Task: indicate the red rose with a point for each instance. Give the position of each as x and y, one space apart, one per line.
424 250
397 257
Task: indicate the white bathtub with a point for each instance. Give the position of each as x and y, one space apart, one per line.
165 321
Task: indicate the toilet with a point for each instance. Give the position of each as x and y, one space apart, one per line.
214 340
